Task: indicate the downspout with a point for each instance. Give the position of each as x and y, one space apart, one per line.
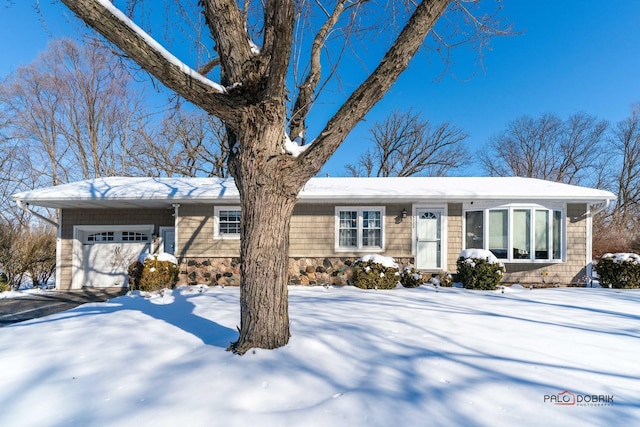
34 213
176 210
589 255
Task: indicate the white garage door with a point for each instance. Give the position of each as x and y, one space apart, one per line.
105 255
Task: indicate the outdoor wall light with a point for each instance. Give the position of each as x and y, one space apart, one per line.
404 213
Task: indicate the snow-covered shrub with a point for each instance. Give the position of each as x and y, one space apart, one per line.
442 279
410 278
479 269
620 271
375 272
153 272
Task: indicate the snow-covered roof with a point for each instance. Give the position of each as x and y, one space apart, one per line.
119 192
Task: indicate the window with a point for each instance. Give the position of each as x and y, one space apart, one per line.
498 233
516 233
227 222
348 229
475 230
359 228
104 236
521 233
134 236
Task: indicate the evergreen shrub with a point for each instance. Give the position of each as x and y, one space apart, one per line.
153 272
442 279
410 278
375 272
479 269
620 270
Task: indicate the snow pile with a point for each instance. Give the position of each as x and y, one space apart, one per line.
623 257
355 358
385 261
469 254
163 256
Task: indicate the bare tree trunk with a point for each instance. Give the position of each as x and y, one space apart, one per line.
268 194
266 216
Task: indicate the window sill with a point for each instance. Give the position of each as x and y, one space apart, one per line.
227 237
358 250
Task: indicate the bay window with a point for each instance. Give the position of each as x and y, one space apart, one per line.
498 233
516 233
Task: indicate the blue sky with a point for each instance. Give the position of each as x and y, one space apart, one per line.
572 55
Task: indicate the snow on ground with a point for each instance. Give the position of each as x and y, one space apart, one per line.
356 358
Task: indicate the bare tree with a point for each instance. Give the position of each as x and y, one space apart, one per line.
254 43
73 112
547 148
404 145
625 141
27 252
31 102
188 143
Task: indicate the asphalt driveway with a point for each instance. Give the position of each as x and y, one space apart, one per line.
31 306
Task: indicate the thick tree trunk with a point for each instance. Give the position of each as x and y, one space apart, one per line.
264 316
268 194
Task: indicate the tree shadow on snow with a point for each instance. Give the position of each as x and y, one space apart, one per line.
179 313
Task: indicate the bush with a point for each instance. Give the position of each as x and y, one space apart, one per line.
27 252
479 269
375 272
442 279
4 282
410 278
620 271
153 272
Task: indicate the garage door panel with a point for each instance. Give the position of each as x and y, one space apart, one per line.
106 264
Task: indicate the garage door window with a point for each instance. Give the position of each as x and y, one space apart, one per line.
134 236
104 236
117 237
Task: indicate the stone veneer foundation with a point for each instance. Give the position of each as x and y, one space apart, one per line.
302 271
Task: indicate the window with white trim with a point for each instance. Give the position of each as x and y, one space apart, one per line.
101 236
226 222
359 228
134 236
517 233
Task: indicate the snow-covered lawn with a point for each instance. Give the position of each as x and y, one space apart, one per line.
406 357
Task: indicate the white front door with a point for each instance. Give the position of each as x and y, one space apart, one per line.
429 238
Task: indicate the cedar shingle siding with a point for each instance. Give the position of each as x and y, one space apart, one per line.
312 237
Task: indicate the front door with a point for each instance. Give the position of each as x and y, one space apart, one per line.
429 239
168 240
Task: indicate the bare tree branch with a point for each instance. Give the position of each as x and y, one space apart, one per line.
406 145
375 86
100 15
547 148
308 88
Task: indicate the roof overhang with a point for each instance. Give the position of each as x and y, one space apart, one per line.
159 193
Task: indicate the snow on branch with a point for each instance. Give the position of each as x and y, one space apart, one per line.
295 147
159 48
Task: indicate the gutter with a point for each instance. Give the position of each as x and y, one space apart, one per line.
25 207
